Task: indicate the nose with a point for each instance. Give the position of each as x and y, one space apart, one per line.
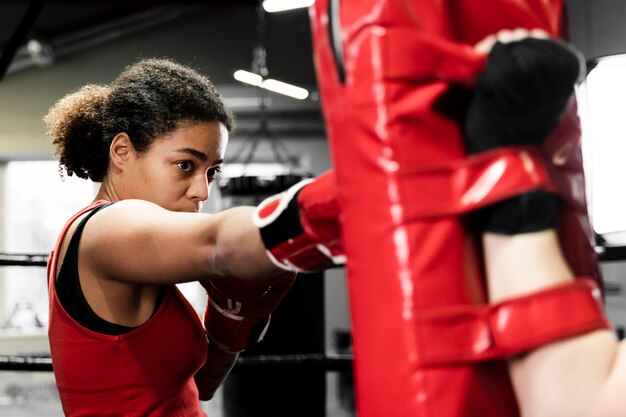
199 189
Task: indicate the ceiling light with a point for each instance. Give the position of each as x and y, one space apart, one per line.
272 6
284 88
271 84
248 77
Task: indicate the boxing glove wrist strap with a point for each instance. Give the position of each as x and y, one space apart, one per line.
299 229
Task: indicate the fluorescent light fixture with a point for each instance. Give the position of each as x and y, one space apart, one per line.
272 6
248 77
286 89
271 84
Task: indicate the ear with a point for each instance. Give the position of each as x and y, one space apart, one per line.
121 150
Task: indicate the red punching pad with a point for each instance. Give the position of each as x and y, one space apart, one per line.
388 72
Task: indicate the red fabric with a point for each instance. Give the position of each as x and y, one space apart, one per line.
390 113
146 372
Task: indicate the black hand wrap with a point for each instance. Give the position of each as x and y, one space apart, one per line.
518 100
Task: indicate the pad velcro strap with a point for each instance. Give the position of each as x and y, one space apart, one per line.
420 57
511 327
464 185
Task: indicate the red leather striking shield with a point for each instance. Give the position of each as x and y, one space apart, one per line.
386 71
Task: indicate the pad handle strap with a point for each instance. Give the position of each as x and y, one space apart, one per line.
511 327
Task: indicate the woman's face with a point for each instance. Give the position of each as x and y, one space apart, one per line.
178 169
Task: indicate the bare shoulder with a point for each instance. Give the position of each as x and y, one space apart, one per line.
131 207
128 215
156 238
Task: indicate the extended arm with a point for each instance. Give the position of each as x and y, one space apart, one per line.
579 376
172 247
296 231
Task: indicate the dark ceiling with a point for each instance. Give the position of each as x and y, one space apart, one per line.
65 29
69 27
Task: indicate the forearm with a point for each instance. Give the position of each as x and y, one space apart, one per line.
523 263
238 248
296 230
574 376
217 367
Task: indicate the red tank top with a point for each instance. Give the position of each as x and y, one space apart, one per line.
145 372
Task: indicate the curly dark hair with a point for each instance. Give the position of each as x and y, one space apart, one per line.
148 99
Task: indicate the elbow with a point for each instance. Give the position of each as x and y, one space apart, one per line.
218 263
243 263
223 267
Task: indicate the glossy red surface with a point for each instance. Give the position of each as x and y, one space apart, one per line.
404 183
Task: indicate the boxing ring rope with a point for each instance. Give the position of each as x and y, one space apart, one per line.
43 363
25 363
329 363
27 259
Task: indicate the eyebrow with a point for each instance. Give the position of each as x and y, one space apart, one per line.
192 151
200 155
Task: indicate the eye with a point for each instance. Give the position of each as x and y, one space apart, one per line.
212 173
186 166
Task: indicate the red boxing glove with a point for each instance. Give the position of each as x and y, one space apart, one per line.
239 310
300 227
